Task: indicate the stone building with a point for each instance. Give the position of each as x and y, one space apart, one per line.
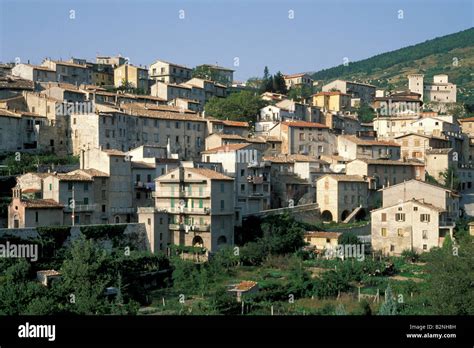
200 205
339 196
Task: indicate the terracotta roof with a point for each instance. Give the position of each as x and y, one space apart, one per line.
294 75
414 201
143 165
172 64
226 148
73 177
304 124
137 111
245 285
343 177
369 142
439 151
10 82
42 203
69 64
235 123
31 190
217 67
277 159
229 136
421 183
113 152
389 162
92 172
322 234
330 93
209 173
467 119
420 135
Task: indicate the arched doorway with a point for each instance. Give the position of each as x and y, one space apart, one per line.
198 242
117 219
345 214
361 215
221 240
326 216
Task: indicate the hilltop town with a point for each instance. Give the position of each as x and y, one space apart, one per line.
187 159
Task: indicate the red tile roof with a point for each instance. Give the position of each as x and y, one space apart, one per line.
304 124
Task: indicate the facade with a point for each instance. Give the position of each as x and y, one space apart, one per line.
411 225
200 205
338 196
332 101
298 80
169 72
169 91
36 73
385 173
70 72
322 240
415 145
351 147
306 138
439 91
223 74
136 76
362 91
251 174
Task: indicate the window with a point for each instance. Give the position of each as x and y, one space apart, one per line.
222 187
425 217
222 204
383 232
242 172
242 187
36 216
384 217
50 187
400 232
415 208
400 217
103 208
424 234
69 186
392 247
425 247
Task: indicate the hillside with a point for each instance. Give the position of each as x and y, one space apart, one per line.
389 70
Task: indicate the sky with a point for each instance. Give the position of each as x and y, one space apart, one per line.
288 36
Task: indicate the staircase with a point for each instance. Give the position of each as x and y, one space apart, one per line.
352 215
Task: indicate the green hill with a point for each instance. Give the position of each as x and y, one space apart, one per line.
389 70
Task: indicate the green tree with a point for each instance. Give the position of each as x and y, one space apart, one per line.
241 106
450 287
348 239
450 178
300 93
207 73
365 113
279 85
85 278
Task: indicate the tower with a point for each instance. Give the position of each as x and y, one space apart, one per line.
415 83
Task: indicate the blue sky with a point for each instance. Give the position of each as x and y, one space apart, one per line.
259 33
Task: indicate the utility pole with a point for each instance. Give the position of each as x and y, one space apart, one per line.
73 202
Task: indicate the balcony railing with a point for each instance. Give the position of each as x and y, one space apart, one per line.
184 194
144 185
257 179
189 228
185 210
80 207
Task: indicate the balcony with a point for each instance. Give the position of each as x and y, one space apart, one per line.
257 179
181 194
190 228
144 185
184 210
80 208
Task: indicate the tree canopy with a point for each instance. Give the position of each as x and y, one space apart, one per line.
240 106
